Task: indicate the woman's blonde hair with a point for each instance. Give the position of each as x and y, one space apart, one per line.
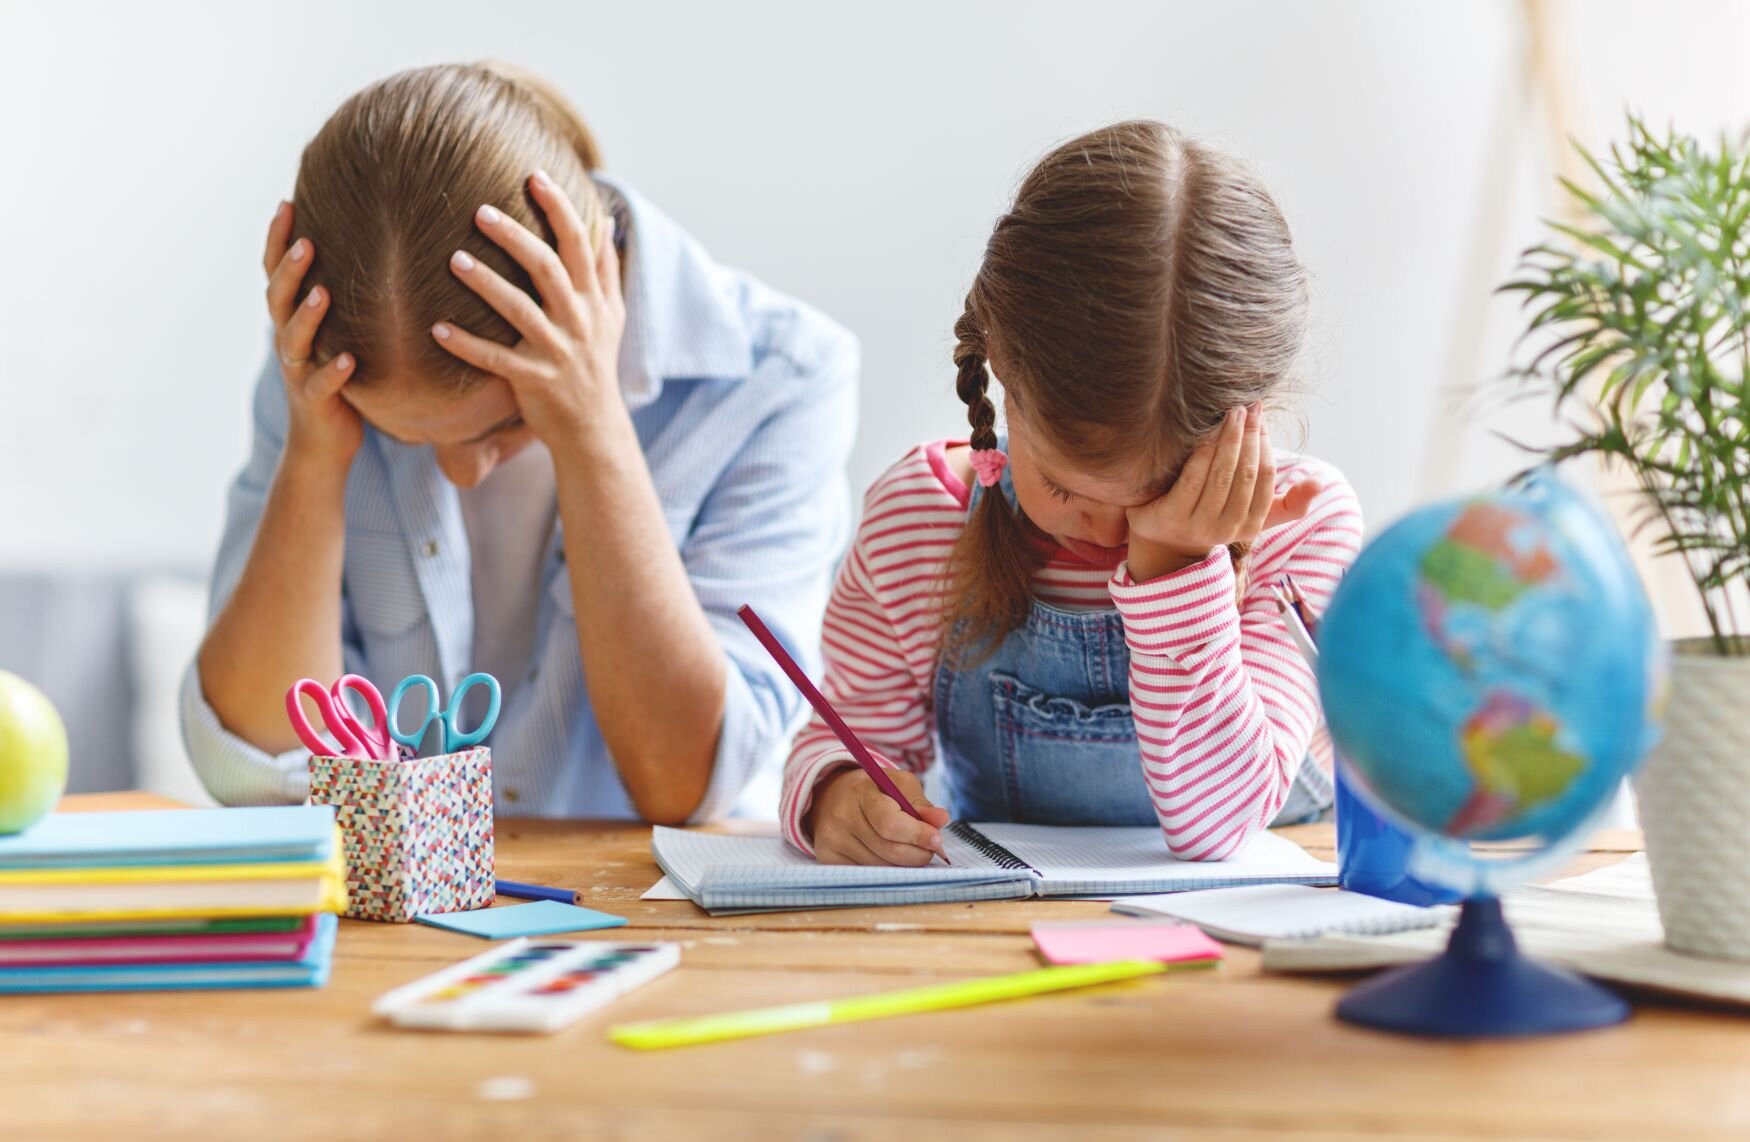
1141 285
387 191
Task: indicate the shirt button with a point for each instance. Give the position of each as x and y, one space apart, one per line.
511 794
431 548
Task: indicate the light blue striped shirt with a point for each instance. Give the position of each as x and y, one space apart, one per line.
745 402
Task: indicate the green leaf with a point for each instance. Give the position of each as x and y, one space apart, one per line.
1645 295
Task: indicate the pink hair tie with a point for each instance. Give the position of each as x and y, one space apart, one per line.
989 464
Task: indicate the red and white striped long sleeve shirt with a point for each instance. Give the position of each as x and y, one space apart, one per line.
1224 705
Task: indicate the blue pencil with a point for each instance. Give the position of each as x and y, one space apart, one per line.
535 892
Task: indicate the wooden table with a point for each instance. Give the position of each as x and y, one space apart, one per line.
1229 1054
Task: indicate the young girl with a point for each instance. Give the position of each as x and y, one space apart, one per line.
1076 619
518 420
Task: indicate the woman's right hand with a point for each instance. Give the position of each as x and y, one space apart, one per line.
322 425
855 823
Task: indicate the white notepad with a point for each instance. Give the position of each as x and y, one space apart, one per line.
1604 923
1255 913
989 862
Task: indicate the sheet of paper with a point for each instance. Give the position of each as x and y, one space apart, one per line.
1099 942
541 918
1117 853
664 889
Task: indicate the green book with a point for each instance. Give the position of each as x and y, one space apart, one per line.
171 927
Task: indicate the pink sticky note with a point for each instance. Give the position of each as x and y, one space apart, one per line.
1097 942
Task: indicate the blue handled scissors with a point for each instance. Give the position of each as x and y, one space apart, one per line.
450 738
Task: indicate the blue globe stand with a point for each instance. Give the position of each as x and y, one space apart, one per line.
1481 986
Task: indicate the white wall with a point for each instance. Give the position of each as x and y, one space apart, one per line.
854 156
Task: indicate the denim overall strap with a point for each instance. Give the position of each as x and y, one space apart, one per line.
1040 730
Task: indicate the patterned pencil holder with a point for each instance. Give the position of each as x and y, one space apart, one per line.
418 833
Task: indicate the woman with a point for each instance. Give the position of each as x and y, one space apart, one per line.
518 421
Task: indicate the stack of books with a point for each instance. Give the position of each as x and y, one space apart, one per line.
171 899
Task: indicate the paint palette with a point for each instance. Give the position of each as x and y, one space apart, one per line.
526 985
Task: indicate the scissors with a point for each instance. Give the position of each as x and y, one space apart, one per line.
450 738
356 739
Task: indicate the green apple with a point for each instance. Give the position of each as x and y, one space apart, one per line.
33 754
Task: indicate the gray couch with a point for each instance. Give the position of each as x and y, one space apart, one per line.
104 647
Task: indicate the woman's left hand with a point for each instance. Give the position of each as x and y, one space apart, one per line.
1225 494
564 372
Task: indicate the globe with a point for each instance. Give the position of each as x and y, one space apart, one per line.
1489 666
1490 671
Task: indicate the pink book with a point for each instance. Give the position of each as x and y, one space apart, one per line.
208 948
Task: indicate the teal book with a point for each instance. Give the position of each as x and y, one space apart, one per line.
261 835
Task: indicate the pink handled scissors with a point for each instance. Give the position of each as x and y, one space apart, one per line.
356 739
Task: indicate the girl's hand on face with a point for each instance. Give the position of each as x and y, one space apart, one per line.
321 424
564 372
855 823
1225 494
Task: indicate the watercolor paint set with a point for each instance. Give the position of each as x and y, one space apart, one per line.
526 985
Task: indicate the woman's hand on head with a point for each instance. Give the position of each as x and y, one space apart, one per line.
321 424
1226 493
853 822
565 369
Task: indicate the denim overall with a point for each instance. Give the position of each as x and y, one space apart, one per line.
1040 732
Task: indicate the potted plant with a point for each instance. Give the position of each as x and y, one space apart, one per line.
1640 322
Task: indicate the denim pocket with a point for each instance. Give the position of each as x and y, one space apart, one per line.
1065 762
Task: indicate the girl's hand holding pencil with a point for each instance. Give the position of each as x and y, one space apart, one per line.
854 822
879 814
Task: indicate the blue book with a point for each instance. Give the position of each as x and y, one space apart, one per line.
310 970
261 835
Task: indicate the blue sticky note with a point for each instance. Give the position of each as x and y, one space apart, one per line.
541 918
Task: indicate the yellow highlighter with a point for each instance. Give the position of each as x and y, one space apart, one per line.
662 1033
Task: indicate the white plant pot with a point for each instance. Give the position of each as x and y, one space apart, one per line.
1694 791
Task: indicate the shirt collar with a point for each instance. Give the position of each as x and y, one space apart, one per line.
682 319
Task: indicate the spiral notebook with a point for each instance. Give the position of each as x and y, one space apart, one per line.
1256 913
725 874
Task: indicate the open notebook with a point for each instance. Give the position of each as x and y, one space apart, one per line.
990 862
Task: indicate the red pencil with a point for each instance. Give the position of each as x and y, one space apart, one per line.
859 752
